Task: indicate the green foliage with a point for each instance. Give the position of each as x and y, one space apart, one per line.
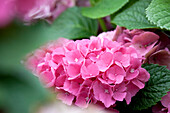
17 40
157 87
158 12
133 16
103 8
93 2
18 95
71 24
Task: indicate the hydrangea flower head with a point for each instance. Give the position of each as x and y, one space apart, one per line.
90 70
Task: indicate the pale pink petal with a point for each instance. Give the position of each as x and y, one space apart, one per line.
48 78
66 97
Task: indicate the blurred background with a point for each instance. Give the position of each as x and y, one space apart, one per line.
20 91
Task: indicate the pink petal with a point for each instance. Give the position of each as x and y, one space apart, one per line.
124 59
105 61
48 78
138 83
74 56
145 38
131 74
89 69
95 44
66 97
116 73
161 57
107 100
166 100
143 75
119 96
73 70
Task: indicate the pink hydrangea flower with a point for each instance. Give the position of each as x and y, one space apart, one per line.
30 10
90 70
142 41
161 57
166 101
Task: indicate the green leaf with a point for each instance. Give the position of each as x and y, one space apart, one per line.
133 16
103 8
157 87
158 12
71 24
93 2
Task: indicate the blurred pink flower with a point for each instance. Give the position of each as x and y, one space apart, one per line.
6 12
90 70
30 10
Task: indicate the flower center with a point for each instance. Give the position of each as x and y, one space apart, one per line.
76 60
132 70
87 98
106 91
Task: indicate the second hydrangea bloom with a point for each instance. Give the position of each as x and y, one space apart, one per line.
90 70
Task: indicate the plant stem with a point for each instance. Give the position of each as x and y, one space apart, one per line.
102 24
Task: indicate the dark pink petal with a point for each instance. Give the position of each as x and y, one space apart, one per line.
60 81
166 100
161 57
145 38
158 109
144 42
